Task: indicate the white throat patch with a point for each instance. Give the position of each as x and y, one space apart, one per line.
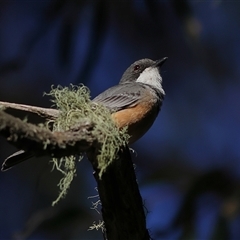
152 77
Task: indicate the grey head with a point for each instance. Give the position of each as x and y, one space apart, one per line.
145 71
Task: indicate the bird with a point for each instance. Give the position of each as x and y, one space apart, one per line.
134 103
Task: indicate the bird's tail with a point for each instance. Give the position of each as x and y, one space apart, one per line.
16 158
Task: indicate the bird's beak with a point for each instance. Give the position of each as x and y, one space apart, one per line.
160 62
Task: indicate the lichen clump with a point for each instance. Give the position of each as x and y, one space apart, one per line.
75 107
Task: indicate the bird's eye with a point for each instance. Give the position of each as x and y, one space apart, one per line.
136 67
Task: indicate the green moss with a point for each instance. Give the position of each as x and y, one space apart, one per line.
75 107
97 226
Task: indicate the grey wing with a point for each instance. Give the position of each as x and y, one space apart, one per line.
120 96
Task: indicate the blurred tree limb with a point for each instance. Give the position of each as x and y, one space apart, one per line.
42 141
122 208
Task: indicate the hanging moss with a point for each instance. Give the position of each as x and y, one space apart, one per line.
75 108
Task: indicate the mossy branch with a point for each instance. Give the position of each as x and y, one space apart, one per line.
42 141
81 126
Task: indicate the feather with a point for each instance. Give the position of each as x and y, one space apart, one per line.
16 158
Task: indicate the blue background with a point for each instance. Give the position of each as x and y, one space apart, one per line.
188 164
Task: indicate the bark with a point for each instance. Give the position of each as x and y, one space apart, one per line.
42 141
122 206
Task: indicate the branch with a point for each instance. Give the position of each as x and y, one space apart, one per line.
122 206
42 141
44 112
